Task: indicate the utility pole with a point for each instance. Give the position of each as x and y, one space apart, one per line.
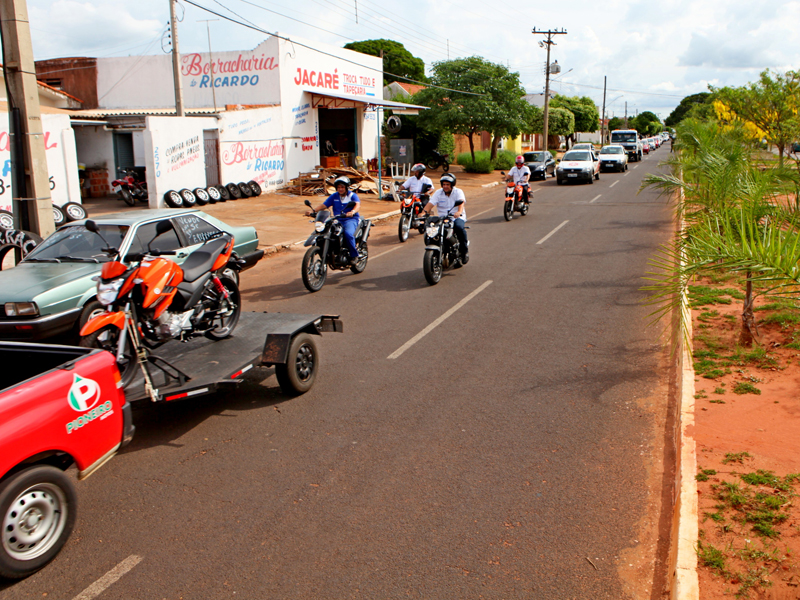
176 60
548 42
626 114
211 61
33 207
603 116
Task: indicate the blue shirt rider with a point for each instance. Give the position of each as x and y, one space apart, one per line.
338 201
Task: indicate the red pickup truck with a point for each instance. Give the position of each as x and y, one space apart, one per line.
59 406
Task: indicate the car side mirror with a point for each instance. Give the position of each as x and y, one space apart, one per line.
91 226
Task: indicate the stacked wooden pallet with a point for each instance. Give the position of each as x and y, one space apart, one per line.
320 182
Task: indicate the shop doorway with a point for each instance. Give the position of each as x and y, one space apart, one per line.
123 152
339 127
211 151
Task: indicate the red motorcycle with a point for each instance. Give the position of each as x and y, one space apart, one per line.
411 215
129 188
514 201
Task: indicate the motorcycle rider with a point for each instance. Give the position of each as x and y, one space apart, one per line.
417 180
445 202
349 220
520 173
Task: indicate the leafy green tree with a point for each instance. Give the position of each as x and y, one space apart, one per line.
495 102
560 122
647 123
587 116
396 59
772 104
615 123
682 110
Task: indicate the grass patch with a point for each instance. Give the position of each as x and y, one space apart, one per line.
707 315
712 557
745 387
703 295
735 457
784 318
717 401
704 474
719 390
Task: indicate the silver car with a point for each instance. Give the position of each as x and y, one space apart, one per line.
613 158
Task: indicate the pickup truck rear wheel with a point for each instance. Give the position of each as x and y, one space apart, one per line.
38 508
297 376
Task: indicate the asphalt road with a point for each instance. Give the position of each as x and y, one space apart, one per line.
517 450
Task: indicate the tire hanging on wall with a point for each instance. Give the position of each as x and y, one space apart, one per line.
394 124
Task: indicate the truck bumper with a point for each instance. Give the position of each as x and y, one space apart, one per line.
41 328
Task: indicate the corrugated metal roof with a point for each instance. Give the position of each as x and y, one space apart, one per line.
101 113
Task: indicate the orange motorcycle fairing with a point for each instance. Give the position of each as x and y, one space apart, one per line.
160 278
117 319
112 270
224 256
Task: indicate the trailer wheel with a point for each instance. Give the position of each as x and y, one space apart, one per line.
297 376
37 508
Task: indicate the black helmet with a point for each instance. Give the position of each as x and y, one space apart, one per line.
449 178
345 181
418 167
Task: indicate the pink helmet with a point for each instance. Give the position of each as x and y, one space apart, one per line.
519 160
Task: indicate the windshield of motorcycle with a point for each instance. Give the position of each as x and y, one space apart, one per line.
323 216
75 242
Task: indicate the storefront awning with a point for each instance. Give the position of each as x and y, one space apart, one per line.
334 100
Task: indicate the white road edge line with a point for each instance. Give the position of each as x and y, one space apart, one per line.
636 167
109 579
387 252
613 184
595 198
437 322
544 239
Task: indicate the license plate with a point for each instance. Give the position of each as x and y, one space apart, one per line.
572 174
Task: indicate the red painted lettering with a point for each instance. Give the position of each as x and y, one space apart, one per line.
47 139
299 77
191 64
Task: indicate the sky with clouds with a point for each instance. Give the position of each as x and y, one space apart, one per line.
653 53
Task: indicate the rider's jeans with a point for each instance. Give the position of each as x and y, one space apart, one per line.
349 227
459 227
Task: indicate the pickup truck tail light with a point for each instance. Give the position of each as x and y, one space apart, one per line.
21 309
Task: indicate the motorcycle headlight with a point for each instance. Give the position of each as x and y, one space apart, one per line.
319 226
107 292
432 230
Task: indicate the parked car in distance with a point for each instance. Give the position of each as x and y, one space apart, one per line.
52 290
541 163
578 165
613 158
646 146
583 146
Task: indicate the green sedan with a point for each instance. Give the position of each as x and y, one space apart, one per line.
52 291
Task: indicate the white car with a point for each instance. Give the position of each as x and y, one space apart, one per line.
578 165
613 158
583 146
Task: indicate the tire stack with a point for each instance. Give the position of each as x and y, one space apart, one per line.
187 198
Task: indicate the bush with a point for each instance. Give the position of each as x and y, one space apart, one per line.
481 165
504 160
447 144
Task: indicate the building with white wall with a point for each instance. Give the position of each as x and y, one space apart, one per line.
263 115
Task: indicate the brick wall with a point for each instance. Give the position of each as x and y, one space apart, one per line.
99 186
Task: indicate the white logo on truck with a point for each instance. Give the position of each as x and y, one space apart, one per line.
83 394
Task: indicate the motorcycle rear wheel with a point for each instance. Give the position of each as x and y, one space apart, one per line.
315 270
403 227
432 164
508 210
445 167
524 208
107 338
228 323
363 257
432 267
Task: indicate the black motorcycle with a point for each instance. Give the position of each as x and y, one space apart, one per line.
437 160
411 211
442 248
328 249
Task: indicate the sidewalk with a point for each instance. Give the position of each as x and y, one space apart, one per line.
279 218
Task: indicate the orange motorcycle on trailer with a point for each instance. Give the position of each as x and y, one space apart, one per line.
152 300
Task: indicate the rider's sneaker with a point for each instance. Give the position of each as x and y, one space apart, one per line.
465 257
457 264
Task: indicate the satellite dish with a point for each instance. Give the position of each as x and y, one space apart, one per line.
393 124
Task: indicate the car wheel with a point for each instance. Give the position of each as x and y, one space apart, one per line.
224 194
90 310
74 211
255 188
189 199
38 508
173 199
59 218
213 194
201 195
559 181
234 191
245 189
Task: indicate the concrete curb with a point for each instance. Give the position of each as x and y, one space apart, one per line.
272 249
488 185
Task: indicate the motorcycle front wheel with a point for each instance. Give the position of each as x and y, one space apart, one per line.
508 210
126 195
107 338
363 257
403 227
232 308
314 269
432 164
445 167
432 266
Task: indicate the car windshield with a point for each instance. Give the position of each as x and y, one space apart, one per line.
623 137
582 147
534 156
577 156
612 150
76 243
